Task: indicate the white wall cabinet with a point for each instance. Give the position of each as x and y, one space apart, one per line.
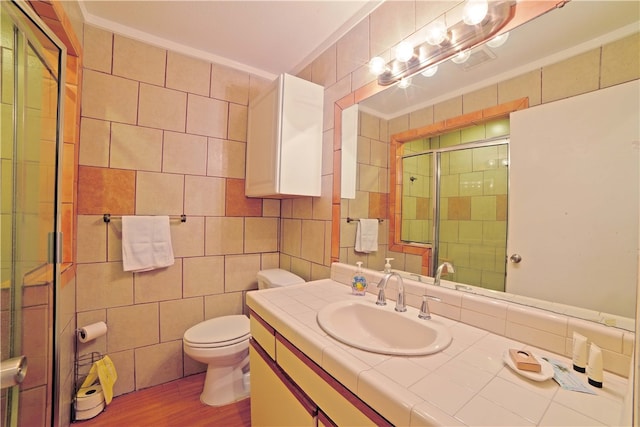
284 140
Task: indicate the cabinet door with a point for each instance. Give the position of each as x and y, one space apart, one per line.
338 403
301 137
284 140
275 400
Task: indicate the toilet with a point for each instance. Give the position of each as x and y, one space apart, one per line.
222 343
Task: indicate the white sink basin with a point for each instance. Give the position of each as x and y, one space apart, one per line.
380 329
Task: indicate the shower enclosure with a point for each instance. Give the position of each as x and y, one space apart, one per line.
33 63
454 198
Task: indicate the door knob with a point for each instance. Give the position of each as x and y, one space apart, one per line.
13 371
515 258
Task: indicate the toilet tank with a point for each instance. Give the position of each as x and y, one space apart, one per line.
276 277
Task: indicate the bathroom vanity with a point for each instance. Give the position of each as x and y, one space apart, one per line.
302 376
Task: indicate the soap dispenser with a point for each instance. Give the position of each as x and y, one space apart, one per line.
359 283
387 266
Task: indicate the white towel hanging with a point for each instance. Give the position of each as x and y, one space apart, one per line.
146 243
367 236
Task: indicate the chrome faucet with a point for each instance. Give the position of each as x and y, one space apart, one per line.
382 300
424 308
436 280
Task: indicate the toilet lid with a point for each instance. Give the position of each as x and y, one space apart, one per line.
218 330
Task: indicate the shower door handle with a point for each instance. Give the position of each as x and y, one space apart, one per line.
13 371
515 258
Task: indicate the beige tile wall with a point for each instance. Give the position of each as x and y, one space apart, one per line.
177 125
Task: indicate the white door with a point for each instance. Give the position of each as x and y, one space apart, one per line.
573 200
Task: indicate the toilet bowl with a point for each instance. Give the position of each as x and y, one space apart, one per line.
223 344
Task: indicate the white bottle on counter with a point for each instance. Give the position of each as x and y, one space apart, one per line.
579 352
594 368
387 266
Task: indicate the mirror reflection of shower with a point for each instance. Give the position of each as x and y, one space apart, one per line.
455 199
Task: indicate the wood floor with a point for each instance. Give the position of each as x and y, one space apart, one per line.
173 404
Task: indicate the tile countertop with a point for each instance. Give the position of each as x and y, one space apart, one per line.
465 384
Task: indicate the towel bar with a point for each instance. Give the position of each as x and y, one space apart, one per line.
107 217
349 219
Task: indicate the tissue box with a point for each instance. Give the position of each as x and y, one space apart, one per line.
524 360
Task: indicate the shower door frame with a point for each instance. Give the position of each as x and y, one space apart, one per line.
28 22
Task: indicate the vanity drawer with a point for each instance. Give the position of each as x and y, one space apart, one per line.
341 405
263 333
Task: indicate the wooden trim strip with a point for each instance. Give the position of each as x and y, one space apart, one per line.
300 395
368 411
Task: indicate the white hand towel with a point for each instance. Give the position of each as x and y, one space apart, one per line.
367 236
146 243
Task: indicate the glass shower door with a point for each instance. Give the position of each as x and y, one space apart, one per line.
471 230
31 103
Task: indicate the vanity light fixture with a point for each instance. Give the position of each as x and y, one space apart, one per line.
377 65
404 83
498 41
431 71
461 57
436 32
404 51
475 11
459 39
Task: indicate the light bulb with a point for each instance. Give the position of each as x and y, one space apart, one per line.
474 11
404 51
404 83
436 33
377 65
431 71
461 57
498 40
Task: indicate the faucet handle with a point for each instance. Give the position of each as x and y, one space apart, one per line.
400 304
424 308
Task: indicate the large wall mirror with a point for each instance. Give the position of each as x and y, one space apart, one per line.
514 70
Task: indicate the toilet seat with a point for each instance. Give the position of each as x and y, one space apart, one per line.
218 332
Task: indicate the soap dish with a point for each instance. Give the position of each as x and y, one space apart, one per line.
545 373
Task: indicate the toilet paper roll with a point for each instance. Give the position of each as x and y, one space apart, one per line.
89 397
92 331
87 414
